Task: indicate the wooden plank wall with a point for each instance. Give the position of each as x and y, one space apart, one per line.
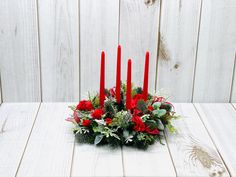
50 50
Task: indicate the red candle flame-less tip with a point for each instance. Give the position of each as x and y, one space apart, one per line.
118 74
129 87
102 80
145 82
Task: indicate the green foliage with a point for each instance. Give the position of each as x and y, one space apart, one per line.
110 108
98 139
141 105
159 112
156 105
139 90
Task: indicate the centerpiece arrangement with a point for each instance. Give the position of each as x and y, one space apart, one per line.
124 114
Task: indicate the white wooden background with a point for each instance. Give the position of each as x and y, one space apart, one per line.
50 50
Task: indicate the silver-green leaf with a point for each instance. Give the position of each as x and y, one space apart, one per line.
98 139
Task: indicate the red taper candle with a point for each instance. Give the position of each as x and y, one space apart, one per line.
129 87
102 80
145 82
118 74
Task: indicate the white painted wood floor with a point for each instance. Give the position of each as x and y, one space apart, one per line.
35 141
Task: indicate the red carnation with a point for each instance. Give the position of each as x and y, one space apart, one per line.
150 108
97 113
155 131
76 117
84 105
139 125
86 123
89 105
108 121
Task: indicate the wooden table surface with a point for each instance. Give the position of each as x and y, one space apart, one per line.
36 141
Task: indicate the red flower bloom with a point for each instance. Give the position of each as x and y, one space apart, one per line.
84 105
76 117
155 131
150 108
134 103
138 96
108 121
86 123
137 112
97 113
139 125
113 91
135 100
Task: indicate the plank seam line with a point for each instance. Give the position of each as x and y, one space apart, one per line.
196 53
232 82
39 52
122 159
79 28
212 140
72 158
119 22
233 106
23 153
171 157
158 46
1 100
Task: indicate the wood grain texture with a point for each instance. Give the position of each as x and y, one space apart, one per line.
16 122
216 51
50 148
19 51
90 160
220 120
156 161
178 44
59 42
139 21
99 23
192 150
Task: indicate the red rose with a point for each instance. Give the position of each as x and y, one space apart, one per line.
84 105
76 117
86 123
97 113
139 125
112 91
155 131
108 121
150 108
